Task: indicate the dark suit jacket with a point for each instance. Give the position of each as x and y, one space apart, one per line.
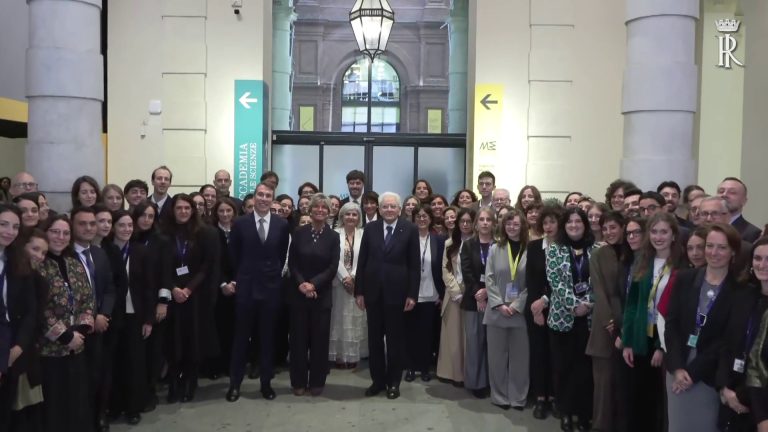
536 275
388 274
436 248
472 269
748 232
22 310
608 290
681 322
104 291
141 282
313 262
748 305
257 266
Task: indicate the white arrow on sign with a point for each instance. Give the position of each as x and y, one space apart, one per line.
244 100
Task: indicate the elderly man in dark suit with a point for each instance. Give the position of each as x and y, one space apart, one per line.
258 244
387 286
734 192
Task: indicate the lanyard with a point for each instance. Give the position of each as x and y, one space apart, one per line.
750 338
484 255
126 252
652 300
513 264
701 318
181 248
579 264
424 252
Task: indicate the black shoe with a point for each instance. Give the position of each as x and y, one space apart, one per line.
584 425
502 406
102 425
566 424
480 393
554 409
410 375
214 376
233 394
393 393
540 410
426 376
151 403
518 408
133 419
374 390
267 392
189 391
173 392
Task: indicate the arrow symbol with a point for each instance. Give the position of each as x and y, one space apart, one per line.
485 101
244 100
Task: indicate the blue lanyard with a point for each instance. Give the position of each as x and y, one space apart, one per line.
579 262
126 253
484 255
181 248
701 318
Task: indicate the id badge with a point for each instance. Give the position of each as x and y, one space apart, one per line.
738 365
482 278
181 271
581 288
693 339
512 292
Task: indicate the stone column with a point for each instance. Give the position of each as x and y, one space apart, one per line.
283 17
660 92
457 67
65 90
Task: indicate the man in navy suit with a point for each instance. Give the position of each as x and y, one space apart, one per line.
258 244
387 286
734 192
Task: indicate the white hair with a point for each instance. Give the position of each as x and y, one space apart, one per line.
390 195
352 207
723 203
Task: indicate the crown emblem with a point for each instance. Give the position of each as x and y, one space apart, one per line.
727 25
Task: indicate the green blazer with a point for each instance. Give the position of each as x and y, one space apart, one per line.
634 330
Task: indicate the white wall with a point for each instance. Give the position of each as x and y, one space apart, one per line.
14 38
561 63
186 53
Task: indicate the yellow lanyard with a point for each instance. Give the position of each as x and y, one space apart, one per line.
652 299
513 264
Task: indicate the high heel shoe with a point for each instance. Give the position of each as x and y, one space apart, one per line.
566 423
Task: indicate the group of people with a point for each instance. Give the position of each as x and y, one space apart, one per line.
630 314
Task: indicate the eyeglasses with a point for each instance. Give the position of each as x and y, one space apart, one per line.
707 215
29 185
59 233
650 208
634 233
422 216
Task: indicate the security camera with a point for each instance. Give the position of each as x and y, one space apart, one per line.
237 11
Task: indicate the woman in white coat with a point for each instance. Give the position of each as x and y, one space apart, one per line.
349 333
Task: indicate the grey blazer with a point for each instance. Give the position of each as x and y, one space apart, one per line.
497 275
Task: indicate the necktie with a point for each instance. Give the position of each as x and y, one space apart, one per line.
91 268
262 232
388 237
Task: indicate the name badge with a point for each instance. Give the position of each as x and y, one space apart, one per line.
693 340
581 288
482 278
738 365
512 292
181 271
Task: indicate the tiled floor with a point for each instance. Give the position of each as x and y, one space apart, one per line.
432 406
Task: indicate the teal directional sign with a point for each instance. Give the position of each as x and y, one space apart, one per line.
251 111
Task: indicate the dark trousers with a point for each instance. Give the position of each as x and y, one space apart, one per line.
155 356
420 336
128 383
610 408
386 321
310 335
573 368
542 386
67 399
646 396
246 312
99 352
225 328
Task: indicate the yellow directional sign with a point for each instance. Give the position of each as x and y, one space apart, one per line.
487 129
